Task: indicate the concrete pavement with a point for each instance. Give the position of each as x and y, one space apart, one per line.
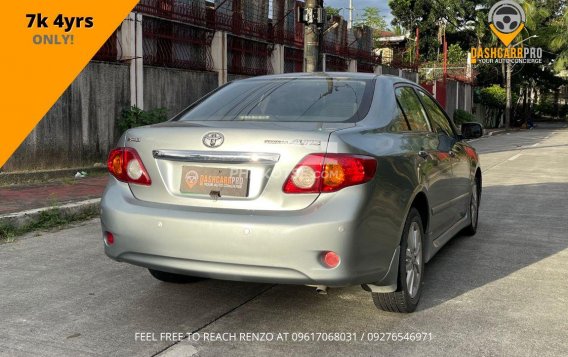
502 292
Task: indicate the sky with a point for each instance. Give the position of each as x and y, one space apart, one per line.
382 5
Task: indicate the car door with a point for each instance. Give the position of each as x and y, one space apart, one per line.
461 181
434 166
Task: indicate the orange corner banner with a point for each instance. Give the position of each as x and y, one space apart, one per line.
45 45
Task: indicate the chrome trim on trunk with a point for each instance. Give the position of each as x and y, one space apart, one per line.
216 157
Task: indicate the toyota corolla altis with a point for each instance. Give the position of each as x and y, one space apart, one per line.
327 180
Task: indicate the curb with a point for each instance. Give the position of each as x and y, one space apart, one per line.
24 218
496 132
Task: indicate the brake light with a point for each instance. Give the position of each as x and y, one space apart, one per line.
125 164
318 173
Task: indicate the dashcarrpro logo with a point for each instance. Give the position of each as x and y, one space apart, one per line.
507 20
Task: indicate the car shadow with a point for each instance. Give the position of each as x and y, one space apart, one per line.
512 235
520 225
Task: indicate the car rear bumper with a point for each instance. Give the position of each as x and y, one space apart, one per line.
268 247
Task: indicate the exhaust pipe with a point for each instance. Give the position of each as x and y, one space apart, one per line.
321 289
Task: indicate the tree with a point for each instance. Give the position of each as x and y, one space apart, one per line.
372 18
456 55
331 11
398 30
559 41
459 17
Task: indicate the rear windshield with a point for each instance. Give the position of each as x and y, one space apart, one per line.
286 100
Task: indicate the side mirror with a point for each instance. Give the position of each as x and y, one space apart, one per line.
471 130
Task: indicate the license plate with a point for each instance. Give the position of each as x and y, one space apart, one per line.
205 180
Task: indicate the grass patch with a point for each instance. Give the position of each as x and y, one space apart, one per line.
68 181
49 219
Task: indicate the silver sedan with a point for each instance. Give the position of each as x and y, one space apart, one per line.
327 180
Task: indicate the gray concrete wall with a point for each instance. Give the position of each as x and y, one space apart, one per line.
461 96
175 89
79 129
458 96
411 76
390 70
451 97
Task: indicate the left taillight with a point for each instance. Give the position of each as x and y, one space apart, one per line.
125 164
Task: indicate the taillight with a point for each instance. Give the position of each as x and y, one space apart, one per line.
109 238
318 173
125 164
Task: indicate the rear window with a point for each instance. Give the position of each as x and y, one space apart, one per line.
286 100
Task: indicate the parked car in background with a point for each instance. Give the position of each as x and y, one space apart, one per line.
327 180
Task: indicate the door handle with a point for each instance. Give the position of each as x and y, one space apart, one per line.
423 154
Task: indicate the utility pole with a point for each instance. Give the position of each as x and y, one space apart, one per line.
509 100
313 17
508 74
350 23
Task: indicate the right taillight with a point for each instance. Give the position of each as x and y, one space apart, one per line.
318 173
125 164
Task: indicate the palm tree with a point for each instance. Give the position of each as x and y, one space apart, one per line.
398 30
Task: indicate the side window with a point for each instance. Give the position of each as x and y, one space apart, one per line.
439 121
412 109
399 122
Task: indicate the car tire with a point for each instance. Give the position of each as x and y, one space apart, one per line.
473 210
173 278
410 268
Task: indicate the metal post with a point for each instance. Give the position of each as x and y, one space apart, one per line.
417 47
445 64
508 89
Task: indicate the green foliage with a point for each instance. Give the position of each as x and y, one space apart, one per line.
458 16
135 117
331 11
559 41
493 97
456 55
397 30
547 109
461 116
372 17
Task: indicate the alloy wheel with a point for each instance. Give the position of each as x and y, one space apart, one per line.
413 259
473 206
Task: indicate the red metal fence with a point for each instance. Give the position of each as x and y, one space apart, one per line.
110 51
366 67
293 60
172 44
178 33
242 18
193 12
336 64
248 57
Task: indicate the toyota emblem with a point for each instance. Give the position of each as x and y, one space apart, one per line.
213 140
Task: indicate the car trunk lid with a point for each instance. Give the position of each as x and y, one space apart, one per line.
226 165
